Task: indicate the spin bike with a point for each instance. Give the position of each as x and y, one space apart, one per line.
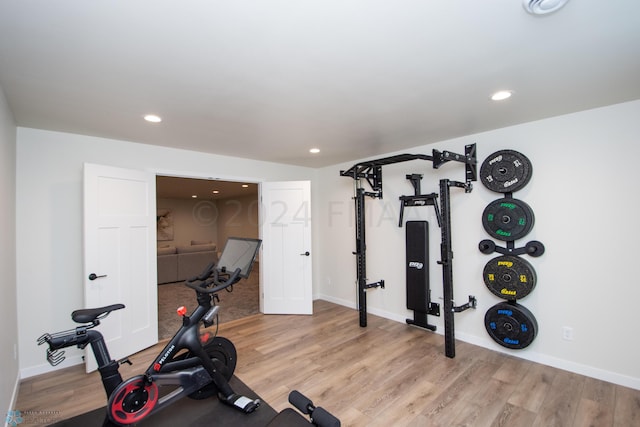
194 365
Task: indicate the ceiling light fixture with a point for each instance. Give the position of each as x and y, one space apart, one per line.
153 118
542 7
215 192
245 185
501 95
314 150
195 196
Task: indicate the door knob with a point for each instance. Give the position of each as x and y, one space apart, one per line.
94 276
305 254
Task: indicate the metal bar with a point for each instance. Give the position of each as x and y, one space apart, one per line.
361 257
447 269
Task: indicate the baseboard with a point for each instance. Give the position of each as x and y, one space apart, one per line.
565 365
343 302
14 399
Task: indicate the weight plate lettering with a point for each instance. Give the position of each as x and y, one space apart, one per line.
508 219
509 277
511 325
506 171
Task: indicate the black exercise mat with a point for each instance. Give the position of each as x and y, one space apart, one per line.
189 412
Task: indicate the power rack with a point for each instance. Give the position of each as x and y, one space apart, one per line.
371 172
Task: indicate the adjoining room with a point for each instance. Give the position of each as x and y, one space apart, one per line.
195 218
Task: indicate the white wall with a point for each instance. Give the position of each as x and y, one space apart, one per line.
49 211
191 222
9 330
584 193
238 217
212 220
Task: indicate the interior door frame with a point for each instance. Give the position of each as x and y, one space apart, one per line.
231 178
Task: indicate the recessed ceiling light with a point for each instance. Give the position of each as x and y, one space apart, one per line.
245 185
153 118
501 95
314 150
215 192
195 196
542 7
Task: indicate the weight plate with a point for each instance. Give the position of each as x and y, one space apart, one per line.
511 325
508 219
509 277
506 171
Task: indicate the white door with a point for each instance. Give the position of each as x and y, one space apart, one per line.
286 248
120 244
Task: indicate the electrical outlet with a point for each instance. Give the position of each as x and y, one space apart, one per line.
567 333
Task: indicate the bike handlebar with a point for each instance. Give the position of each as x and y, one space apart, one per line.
211 276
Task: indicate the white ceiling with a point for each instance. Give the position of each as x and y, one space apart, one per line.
270 79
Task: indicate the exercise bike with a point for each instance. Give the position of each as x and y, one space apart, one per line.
198 366
194 365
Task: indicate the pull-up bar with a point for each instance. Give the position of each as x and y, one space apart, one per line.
371 170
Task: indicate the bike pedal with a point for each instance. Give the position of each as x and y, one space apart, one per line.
125 360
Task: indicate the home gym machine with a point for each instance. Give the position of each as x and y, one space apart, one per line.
371 172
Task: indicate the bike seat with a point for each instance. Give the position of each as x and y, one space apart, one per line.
87 315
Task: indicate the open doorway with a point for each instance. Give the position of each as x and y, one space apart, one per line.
195 217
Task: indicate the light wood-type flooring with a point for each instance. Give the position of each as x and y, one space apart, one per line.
387 374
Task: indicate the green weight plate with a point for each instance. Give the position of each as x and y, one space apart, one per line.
508 219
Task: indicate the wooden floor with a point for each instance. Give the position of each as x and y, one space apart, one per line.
387 374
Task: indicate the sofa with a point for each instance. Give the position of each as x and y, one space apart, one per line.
179 263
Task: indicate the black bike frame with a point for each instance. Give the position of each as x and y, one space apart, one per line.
167 370
189 373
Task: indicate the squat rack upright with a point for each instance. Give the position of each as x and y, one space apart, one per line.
371 172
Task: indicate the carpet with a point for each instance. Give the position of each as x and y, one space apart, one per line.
242 302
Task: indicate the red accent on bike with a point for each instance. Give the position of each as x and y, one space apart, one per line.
157 367
205 337
182 310
130 394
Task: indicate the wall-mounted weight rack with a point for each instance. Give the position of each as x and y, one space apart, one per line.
509 276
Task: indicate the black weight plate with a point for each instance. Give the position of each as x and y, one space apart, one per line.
508 219
511 325
506 171
509 277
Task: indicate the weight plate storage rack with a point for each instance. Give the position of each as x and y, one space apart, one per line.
509 276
